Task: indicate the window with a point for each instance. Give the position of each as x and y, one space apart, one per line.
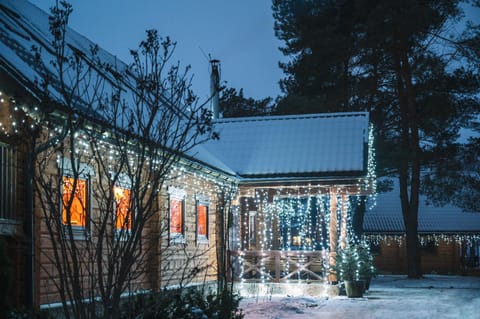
202 220
177 215
123 214
75 199
75 208
7 181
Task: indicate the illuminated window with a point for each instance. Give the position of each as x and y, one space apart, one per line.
74 210
177 214
202 221
123 214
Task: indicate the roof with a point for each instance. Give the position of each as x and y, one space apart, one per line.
386 216
23 26
316 145
321 144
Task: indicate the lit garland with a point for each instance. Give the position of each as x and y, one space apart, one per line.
293 208
308 209
423 239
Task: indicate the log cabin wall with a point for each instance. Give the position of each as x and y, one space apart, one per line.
168 262
193 260
441 258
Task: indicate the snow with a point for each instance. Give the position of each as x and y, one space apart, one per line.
391 297
386 216
294 144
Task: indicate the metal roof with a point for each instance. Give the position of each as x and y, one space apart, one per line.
330 143
386 216
275 146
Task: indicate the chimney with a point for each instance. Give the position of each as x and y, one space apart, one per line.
215 88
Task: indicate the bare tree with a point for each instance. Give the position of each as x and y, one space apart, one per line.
102 157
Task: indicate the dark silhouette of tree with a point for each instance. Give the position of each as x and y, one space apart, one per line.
234 104
101 157
395 59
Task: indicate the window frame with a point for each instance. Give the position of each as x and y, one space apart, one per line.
86 173
202 201
8 174
124 182
179 195
122 232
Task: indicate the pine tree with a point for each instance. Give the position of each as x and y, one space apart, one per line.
394 59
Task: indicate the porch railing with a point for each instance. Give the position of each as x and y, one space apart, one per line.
278 265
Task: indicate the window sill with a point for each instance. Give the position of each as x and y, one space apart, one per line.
122 234
202 240
78 233
9 227
177 239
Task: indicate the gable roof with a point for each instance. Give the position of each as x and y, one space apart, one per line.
332 144
386 217
316 145
23 26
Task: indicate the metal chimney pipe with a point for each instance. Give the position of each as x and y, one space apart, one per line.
215 88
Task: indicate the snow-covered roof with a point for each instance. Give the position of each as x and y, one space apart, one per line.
24 26
329 144
317 145
386 216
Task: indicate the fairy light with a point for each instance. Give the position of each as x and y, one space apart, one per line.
307 206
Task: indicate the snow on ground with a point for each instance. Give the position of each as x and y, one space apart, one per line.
390 297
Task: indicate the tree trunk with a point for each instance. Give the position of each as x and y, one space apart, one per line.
358 217
413 252
409 162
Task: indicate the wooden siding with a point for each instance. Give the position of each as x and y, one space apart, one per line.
443 258
167 263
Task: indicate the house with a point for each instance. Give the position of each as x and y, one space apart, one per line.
270 198
297 178
449 237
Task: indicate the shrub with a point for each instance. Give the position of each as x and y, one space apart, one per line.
188 303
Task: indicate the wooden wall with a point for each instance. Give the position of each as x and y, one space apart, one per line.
443 258
168 263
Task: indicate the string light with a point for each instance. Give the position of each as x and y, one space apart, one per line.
289 218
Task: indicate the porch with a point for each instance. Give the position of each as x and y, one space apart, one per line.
290 233
279 266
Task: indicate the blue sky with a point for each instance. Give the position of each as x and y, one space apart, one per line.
238 33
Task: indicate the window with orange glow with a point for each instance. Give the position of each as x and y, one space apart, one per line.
176 216
123 215
202 220
74 201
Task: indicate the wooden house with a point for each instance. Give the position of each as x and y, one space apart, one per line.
298 179
270 200
449 237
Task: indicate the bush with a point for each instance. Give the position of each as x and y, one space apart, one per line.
188 304
25 314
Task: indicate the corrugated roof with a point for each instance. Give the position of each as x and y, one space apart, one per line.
274 146
23 25
386 216
333 143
